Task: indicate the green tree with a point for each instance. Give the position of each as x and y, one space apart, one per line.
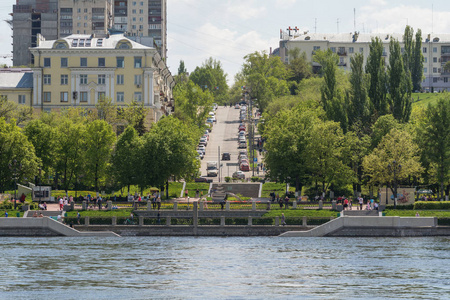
400 85
136 114
265 78
168 150
11 110
437 139
192 104
408 56
211 76
382 127
298 66
417 67
69 148
333 99
398 146
375 68
125 159
359 105
14 145
100 140
182 69
44 139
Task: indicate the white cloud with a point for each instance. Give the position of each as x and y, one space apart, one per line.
285 3
247 10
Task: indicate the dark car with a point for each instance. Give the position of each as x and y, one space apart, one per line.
202 179
226 156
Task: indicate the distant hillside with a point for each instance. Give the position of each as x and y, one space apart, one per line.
423 99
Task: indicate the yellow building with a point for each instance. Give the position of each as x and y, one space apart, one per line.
78 70
17 85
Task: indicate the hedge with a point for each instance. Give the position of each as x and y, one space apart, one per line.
435 205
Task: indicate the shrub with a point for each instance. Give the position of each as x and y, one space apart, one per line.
436 205
443 221
254 179
401 207
227 179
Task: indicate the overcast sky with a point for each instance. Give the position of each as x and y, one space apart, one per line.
227 30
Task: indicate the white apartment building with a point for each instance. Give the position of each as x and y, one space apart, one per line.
435 49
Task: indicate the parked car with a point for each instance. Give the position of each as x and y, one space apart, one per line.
242 158
241 128
203 179
239 175
236 106
241 139
210 120
226 156
241 133
242 152
202 148
242 145
203 141
206 136
244 167
200 154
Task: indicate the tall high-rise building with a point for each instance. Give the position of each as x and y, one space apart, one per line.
30 18
143 18
144 21
84 17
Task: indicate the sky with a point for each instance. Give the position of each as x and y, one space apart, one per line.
227 30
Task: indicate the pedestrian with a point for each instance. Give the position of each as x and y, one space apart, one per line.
417 214
99 202
371 203
186 193
6 214
286 202
345 203
281 203
132 218
159 218
158 202
222 203
197 193
283 219
78 217
188 198
361 201
375 206
61 203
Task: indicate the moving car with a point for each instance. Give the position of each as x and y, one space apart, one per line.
211 168
226 156
236 106
239 175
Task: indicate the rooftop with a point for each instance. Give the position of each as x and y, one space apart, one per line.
16 78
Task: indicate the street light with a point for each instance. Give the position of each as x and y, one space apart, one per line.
15 168
395 168
40 192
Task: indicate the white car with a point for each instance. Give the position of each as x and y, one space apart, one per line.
202 148
203 141
239 175
200 154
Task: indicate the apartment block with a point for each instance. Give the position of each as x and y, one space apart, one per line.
79 70
435 49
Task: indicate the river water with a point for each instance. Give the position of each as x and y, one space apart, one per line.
224 268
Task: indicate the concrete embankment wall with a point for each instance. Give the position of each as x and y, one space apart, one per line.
184 230
374 226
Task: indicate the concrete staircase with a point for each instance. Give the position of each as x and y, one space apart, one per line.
361 213
218 193
45 213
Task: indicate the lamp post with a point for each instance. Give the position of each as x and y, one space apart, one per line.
40 184
14 167
395 168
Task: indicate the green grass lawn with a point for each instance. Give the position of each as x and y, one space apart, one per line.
424 99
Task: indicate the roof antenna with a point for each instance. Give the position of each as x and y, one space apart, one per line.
354 19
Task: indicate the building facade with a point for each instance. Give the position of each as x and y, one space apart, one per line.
17 85
79 70
435 49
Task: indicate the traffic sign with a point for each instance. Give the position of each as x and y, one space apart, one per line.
255 159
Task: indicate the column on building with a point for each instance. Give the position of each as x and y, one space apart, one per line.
37 86
148 87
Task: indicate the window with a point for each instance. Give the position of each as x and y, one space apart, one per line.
83 61
424 49
101 79
83 96
120 62
361 50
101 61
85 10
120 79
137 79
47 97
315 48
435 59
47 79
64 96
446 79
101 95
138 96
133 26
134 3
434 70
435 80
341 61
425 70
141 27
333 49
141 3
134 19
83 79
85 17
63 62
141 11
64 79
138 62
434 49
47 63
425 59
133 11
78 24
99 42
21 99
120 97
79 10
141 19
350 50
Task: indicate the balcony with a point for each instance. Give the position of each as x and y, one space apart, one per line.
342 53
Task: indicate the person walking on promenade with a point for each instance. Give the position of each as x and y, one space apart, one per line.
286 202
345 203
283 219
61 203
78 217
361 202
158 202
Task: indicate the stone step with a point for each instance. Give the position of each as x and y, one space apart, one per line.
359 213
